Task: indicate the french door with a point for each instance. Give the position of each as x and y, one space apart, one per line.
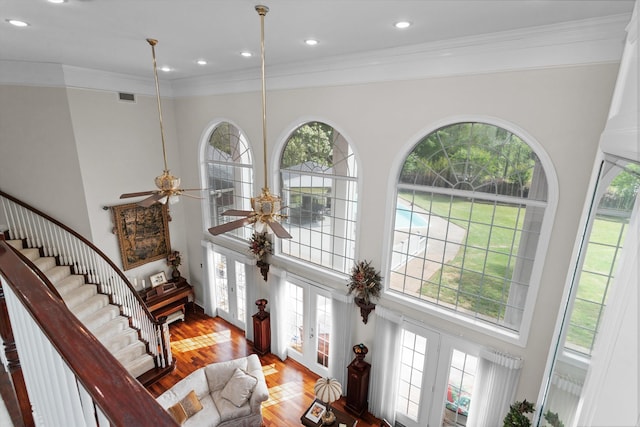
308 326
230 289
436 379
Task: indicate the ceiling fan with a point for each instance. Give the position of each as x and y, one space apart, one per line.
168 185
266 207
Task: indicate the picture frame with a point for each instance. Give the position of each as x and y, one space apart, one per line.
143 233
315 412
158 279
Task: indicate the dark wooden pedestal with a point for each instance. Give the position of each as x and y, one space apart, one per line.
357 386
262 333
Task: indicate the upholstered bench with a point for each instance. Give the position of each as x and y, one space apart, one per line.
221 394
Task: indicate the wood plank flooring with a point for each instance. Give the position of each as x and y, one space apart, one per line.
200 340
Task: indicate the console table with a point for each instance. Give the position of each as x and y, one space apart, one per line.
341 417
169 298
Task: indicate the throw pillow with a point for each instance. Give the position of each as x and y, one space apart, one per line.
239 388
185 408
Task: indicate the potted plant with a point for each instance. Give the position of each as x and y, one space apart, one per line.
260 246
365 284
516 416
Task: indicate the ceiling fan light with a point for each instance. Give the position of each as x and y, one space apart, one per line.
260 226
173 199
167 182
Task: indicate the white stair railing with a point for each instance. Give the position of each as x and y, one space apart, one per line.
70 378
39 230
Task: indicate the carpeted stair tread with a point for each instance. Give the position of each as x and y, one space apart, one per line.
110 328
90 306
94 310
140 365
77 296
57 273
130 352
17 244
68 284
116 342
45 263
97 318
31 253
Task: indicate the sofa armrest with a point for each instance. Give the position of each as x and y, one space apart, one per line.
260 392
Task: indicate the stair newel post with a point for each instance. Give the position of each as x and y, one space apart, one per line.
163 340
13 362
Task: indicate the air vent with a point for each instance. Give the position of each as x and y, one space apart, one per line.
128 97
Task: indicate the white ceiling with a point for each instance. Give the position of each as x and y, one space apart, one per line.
109 35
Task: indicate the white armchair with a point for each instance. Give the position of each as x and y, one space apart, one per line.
228 394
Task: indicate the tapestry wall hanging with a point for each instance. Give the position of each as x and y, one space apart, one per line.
143 233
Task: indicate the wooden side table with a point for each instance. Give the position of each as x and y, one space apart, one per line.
308 420
262 329
358 382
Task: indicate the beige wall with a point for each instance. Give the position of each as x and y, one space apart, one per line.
564 109
117 150
38 155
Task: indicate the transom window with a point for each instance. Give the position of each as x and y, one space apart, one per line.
319 187
229 171
469 214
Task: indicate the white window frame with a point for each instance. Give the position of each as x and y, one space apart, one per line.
520 337
350 234
247 190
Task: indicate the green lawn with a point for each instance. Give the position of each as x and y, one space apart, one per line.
495 227
486 295
602 252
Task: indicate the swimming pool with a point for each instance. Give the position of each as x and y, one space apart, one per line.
405 219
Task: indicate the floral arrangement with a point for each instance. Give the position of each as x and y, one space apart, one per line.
174 259
365 282
260 245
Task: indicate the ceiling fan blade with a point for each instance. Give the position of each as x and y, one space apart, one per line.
190 195
223 228
279 230
236 212
141 193
151 200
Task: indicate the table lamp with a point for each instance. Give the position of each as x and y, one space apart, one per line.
328 390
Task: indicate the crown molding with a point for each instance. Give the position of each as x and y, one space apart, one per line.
570 43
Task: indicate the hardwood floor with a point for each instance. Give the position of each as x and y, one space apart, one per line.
200 340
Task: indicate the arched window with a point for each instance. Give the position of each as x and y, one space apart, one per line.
229 174
469 214
319 186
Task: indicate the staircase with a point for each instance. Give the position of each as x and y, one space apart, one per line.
92 288
94 310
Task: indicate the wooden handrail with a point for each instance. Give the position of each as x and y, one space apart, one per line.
115 268
119 396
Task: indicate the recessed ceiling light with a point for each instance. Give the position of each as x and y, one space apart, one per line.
246 54
402 24
201 62
17 23
311 42
57 1
165 69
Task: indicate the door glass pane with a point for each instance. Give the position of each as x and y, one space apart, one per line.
295 325
462 374
412 359
222 286
323 314
241 288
